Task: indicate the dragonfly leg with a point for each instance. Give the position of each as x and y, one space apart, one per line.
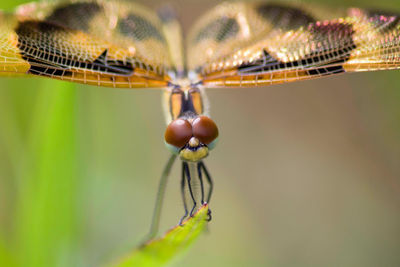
183 178
203 168
160 197
209 180
189 178
199 173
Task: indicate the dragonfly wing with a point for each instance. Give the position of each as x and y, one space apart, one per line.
263 44
106 43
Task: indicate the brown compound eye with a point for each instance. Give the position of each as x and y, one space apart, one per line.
205 129
178 133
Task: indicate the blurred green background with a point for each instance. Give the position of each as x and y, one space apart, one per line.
306 174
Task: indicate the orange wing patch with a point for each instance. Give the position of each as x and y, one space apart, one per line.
11 61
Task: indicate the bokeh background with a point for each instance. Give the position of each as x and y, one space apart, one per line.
306 174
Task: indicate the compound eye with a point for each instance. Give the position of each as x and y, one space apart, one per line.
205 129
178 133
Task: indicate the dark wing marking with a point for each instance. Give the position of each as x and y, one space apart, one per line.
219 30
335 46
76 16
285 17
61 53
104 64
138 28
385 20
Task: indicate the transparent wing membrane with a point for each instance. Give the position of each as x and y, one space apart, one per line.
267 43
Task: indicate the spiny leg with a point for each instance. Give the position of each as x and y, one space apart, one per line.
209 180
210 183
199 173
183 178
160 197
189 178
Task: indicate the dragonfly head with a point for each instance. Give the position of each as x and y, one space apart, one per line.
192 138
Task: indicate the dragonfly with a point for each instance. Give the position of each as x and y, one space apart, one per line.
122 44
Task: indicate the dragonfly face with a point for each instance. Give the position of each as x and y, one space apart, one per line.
190 133
122 44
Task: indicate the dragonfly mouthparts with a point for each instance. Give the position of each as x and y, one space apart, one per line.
193 154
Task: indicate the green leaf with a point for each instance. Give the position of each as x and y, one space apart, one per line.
160 251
